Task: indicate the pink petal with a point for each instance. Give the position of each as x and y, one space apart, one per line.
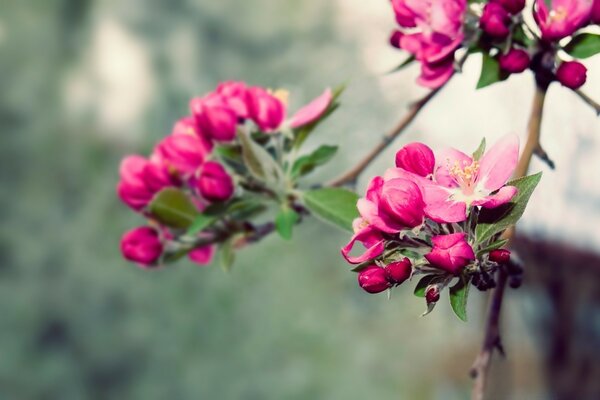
313 110
440 208
503 196
447 159
499 163
366 236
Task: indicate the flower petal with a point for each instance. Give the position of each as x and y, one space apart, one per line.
503 196
312 111
365 236
447 159
499 163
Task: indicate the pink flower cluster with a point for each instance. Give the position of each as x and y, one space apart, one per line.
431 30
425 201
184 159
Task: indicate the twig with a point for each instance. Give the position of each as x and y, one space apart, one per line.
594 104
480 368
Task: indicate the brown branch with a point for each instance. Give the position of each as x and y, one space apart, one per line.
587 99
481 366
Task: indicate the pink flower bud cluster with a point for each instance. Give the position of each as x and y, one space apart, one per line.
425 206
184 159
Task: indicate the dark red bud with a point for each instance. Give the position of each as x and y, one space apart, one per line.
512 6
395 38
515 61
432 295
373 280
500 256
495 21
572 74
399 271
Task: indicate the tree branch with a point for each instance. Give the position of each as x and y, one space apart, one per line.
481 366
587 99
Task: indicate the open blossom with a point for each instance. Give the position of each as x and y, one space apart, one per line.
450 252
563 18
140 180
434 32
142 245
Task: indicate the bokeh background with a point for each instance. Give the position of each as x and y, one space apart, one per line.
84 82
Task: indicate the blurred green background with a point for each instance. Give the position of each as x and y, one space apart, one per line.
84 82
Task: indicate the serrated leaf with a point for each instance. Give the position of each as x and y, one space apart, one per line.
284 222
583 45
480 150
495 220
459 294
334 205
308 163
201 222
258 160
490 71
173 208
226 255
426 281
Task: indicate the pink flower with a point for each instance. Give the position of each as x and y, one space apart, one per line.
515 61
416 158
141 245
372 279
312 111
495 21
438 33
213 182
140 180
450 252
182 152
370 237
202 255
392 205
215 117
235 95
563 19
266 110
572 74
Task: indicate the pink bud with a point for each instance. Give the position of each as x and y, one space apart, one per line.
395 38
399 271
402 203
235 96
432 294
417 158
312 111
215 117
515 61
495 21
202 255
214 183
141 245
512 6
565 17
572 74
266 110
184 153
372 279
450 252
141 180
501 256
596 12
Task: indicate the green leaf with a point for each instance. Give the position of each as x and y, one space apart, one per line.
426 281
308 163
495 220
583 45
480 150
226 255
201 222
409 60
334 205
258 161
302 133
521 37
285 221
494 246
459 294
172 207
490 71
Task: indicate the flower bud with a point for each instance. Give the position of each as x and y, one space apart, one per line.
515 61
141 245
515 281
417 158
512 6
235 95
495 21
184 153
140 180
572 74
372 279
596 12
266 110
432 294
202 255
450 252
399 271
395 38
215 117
214 183
500 256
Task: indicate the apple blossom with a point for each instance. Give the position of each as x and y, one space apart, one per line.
563 18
